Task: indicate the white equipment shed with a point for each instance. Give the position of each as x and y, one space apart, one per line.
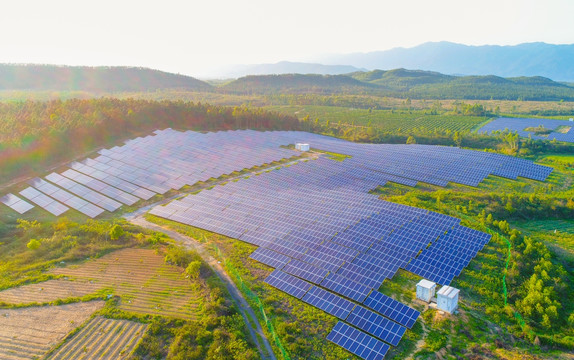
447 299
425 290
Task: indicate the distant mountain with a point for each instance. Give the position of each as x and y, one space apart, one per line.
93 79
286 67
531 59
296 83
406 83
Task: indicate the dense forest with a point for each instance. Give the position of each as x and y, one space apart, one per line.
37 135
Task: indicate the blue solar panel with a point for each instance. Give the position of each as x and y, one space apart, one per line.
346 287
376 325
287 283
392 309
305 271
357 342
329 302
270 257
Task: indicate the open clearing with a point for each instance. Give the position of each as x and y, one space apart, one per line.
145 283
29 333
102 339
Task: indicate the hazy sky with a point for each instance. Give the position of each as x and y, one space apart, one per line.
192 37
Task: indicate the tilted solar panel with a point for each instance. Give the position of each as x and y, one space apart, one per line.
357 342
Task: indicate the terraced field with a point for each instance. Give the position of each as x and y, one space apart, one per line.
49 291
145 283
29 333
102 339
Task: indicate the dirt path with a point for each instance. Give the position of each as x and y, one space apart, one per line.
421 343
246 310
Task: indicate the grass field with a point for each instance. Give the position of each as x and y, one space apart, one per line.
29 333
102 339
386 120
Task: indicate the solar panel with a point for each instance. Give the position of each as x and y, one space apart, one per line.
288 283
15 203
270 257
376 325
305 271
346 287
392 309
44 201
329 302
357 342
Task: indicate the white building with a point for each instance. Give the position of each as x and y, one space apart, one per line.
425 290
302 147
447 299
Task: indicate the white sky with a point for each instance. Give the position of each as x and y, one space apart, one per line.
195 36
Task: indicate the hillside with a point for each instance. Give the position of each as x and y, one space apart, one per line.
295 83
93 79
531 59
407 83
285 67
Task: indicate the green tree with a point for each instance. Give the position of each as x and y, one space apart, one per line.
457 138
116 232
411 140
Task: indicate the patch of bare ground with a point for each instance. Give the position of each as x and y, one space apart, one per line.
29 333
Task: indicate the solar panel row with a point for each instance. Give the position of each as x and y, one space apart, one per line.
15 203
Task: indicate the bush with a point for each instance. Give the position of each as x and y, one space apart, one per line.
193 269
34 244
116 232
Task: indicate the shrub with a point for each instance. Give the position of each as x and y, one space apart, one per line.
34 244
116 232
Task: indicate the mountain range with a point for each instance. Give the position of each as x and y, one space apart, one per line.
393 83
286 67
530 59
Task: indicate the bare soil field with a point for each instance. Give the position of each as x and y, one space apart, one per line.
145 283
102 339
28 333
48 291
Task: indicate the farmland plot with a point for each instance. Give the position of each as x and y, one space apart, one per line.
29 333
145 283
102 339
48 291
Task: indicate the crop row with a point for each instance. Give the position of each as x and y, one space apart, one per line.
102 339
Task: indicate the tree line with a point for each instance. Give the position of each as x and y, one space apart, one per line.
36 135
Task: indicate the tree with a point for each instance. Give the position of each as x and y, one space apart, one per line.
33 244
116 232
193 269
411 140
457 138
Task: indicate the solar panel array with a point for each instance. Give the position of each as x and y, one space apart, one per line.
15 203
169 159
332 244
519 125
316 227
